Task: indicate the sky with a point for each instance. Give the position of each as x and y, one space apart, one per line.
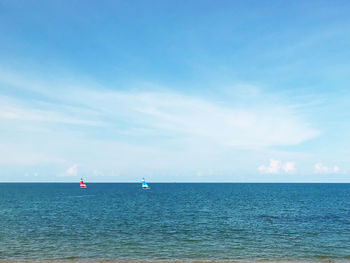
174 91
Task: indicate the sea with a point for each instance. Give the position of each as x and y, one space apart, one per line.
182 222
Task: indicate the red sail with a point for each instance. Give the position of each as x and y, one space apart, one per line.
82 184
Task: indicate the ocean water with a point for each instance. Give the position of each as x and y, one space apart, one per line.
175 222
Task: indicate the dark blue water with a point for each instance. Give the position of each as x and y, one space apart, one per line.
175 221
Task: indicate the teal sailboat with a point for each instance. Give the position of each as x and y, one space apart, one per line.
144 184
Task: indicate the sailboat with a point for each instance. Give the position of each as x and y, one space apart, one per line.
144 184
82 184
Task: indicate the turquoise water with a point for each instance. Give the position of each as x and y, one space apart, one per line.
177 221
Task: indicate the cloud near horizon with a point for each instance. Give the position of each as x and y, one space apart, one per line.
277 167
320 168
73 170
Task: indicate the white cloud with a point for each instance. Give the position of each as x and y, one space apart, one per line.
289 167
320 168
73 170
273 168
335 169
276 167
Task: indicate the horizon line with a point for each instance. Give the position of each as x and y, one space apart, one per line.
181 182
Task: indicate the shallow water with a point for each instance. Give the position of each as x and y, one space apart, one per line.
185 222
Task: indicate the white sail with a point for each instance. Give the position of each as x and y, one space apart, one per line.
144 184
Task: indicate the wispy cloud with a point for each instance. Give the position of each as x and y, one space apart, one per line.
12 109
188 116
158 130
16 113
17 155
172 114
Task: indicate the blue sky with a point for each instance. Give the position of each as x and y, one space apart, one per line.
200 91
